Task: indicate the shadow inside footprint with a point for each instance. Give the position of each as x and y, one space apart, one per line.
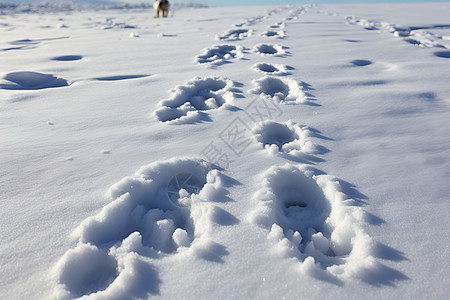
274 86
270 33
268 68
266 49
67 57
442 54
281 90
361 62
273 133
183 181
120 77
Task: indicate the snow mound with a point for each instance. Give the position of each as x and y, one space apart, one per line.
190 100
32 81
164 209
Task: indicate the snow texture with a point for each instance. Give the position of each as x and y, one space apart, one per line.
308 156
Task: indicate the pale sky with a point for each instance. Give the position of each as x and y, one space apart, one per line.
236 2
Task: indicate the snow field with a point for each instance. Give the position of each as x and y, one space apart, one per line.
257 209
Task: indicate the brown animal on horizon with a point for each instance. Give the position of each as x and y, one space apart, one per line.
161 6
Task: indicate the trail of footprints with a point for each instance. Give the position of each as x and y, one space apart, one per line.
415 35
169 207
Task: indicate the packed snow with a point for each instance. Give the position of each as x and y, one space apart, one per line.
266 152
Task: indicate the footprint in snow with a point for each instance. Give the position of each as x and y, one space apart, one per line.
361 62
32 81
25 42
277 25
287 138
120 77
269 49
281 90
17 48
189 102
272 69
219 54
442 54
164 209
235 34
308 217
251 21
67 58
275 34
29 42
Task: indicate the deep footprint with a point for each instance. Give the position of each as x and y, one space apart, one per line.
161 210
289 137
275 34
271 69
281 90
219 54
361 62
67 57
442 54
189 102
309 218
120 77
269 49
235 34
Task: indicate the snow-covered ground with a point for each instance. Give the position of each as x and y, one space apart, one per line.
226 153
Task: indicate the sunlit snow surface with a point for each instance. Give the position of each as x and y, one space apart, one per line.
225 153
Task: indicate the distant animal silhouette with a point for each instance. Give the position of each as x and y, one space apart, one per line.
161 6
